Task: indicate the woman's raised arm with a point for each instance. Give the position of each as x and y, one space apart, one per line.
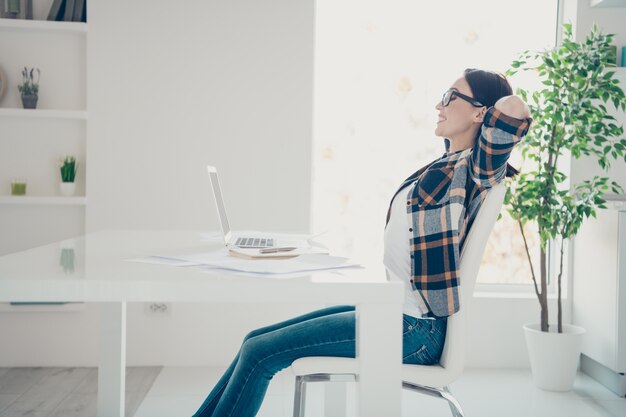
503 127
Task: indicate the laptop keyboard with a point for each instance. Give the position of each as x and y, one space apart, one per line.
254 242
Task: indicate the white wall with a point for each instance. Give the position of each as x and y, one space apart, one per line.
173 86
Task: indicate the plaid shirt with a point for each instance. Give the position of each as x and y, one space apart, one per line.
443 203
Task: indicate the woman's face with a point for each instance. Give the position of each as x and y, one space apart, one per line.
459 118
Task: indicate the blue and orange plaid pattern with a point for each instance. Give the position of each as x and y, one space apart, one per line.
443 203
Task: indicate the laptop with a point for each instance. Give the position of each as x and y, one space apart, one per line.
229 239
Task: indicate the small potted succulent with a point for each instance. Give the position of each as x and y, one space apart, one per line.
29 87
68 167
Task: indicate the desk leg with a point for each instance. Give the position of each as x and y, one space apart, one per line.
112 366
379 350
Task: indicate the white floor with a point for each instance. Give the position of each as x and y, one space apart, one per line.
178 392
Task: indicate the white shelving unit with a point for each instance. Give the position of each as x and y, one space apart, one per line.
44 114
43 25
41 307
23 200
33 140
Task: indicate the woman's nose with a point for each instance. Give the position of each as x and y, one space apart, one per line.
438 106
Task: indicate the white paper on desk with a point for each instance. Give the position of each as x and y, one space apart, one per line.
302 263
213 270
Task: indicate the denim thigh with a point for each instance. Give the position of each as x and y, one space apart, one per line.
422 340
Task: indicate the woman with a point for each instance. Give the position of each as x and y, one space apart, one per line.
427 221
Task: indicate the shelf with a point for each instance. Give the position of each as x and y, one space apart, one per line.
45 114
43 26
42 201
40 307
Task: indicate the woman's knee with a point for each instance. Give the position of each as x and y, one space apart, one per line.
256 351
251 334
257 332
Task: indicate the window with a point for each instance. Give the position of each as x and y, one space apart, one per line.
380 68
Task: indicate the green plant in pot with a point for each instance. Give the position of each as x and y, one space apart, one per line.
570 117
68 167
29 88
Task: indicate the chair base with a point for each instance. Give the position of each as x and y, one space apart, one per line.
301 381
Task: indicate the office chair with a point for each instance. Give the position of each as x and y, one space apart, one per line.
431 380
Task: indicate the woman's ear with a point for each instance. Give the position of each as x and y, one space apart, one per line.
479 116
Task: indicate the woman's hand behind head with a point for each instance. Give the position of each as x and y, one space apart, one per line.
513 106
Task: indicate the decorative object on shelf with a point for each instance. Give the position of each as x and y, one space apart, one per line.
80 11
18 187
623 56
57 10
17 9
569 116
11 9
67 189
68 167
29 88
68 11
66 260
3 84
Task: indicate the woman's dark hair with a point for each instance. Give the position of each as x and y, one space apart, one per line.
488 87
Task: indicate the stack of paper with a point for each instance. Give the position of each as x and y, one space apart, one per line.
302 263
297 261
274 253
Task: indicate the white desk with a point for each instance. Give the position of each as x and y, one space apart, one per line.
102 275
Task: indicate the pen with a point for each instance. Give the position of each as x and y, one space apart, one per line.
274 250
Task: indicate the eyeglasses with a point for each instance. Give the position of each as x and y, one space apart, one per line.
450 95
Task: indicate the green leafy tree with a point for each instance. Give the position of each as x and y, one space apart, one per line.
570 116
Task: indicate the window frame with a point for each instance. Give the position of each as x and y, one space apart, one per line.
482 290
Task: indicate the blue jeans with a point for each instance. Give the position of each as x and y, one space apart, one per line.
326 332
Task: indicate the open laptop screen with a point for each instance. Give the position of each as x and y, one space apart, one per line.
219 202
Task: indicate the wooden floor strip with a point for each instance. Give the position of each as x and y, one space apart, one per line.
65 392
78 405
45 395
20 380
138 383
6 400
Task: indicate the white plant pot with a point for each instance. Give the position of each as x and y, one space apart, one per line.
554 356
67 189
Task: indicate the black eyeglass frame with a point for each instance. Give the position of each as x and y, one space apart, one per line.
452 93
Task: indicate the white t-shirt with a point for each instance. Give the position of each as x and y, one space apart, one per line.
397 258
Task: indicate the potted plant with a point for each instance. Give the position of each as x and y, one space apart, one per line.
569 117
68 167
29 87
